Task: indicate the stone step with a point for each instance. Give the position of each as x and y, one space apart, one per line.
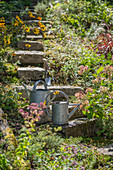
80 127
30 45
35 22
38 37
29 57
69 90
30 73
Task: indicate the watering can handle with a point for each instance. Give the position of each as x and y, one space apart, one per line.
54 92
37 82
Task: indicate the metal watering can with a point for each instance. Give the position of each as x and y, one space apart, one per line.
37 95
60 115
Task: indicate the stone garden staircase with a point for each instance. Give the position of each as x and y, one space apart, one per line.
30 53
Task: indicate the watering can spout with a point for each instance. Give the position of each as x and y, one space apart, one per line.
73 111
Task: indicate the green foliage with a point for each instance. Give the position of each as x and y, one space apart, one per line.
32 152
41 8
80 14
9 98
4 163
8 70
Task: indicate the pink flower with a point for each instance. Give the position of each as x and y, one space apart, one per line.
41 112
82 69
86 102
111 95
34 104
89 90
95 81
103 89
112 58
32 107
21 110
86 68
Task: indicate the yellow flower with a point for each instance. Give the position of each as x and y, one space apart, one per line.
36 31
44 34
39 23
30 14
17 17
2 25
21 21
2 19
56 92
8 41
39 18
43 27
44 102
18 20
16 24
28 45
27 29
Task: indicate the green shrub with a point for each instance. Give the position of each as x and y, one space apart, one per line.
40 9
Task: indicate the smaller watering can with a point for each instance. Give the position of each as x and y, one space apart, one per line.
60 115
37 95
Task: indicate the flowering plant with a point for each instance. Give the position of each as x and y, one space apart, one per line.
97 99
32 114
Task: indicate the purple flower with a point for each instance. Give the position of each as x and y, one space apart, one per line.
66 147
63 157
74 163
75 152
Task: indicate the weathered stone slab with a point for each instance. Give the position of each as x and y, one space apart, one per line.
69 90
34 37
30 45
30 73
80 127
38 37
106 150
35 22
29 57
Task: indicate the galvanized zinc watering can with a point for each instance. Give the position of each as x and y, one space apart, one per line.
37 95
60 115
